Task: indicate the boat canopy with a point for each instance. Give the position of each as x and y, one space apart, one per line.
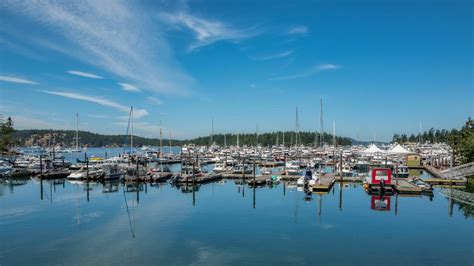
372 149
398 149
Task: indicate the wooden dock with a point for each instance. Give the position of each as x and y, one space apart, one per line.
405 187
324 183
445 182
350 179
286 177
259 180
201 179
229 175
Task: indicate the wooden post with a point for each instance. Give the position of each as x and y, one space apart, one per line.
254 170
254 195
340 196
41 188
340 167
396 174
137 173
41 169
87 166
87 187
138 193
194 176
396 204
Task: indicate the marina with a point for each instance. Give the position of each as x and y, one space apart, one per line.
154 220
236 133
211 199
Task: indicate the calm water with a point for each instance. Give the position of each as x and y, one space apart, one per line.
224 224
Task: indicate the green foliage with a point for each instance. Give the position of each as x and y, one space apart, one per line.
466 142
461 141
66 138
6 134
269 139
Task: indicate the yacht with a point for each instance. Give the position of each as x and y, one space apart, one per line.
402 171
221 168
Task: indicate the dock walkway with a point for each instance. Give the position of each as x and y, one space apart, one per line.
324 183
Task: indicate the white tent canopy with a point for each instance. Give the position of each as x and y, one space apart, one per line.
372 149
398 149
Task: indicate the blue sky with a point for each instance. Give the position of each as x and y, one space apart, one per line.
380 68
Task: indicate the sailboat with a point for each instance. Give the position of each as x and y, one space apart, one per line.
76 138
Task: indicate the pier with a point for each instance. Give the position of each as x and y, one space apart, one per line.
324 183
402 186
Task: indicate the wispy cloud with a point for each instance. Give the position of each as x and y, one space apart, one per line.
129 87
206 31
313 70
84 74
99 100
26 122
21 50
252 85
298 30
154 100
17 80
113 36
273 56
99 116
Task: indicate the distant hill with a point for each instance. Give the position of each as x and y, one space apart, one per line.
65 138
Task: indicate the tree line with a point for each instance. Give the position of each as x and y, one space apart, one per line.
289 138
6 133
461 141
66 138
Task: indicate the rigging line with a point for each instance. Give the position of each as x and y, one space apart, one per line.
126 135
128 212
78 206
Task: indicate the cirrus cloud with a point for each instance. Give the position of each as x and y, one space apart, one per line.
99 100
129 87
113 36
309 72
84 74
13 79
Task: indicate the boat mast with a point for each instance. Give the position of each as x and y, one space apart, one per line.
420 136
170 142
334 134
131 136
212 131
297 127
283 141
161 140
321 133
77 131
237 140
256 136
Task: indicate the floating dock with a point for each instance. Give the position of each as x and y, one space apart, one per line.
324 183
405 187
201 179
446 182
259 180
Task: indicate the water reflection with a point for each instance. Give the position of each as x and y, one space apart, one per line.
112 216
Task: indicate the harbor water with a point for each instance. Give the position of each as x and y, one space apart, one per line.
69 223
